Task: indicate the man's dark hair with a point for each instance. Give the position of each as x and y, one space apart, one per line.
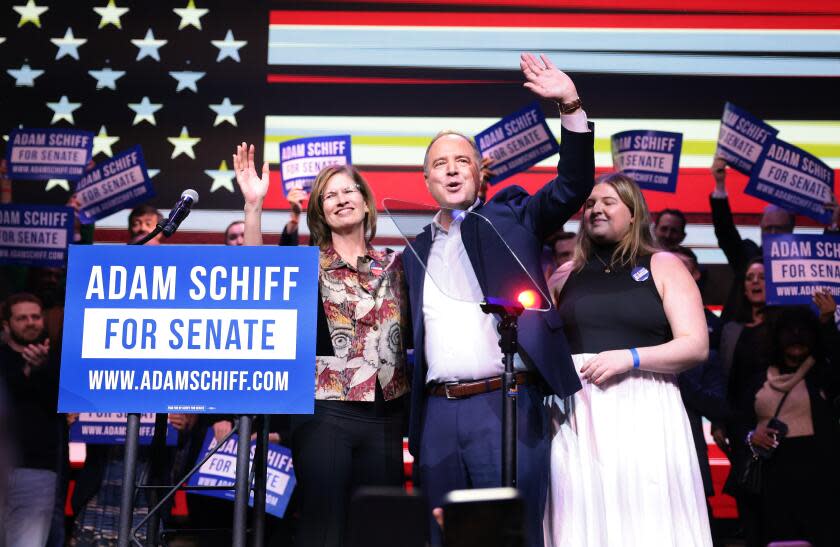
231 225
18 298
141 210
675 212
559 236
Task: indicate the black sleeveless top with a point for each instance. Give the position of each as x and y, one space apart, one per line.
617 310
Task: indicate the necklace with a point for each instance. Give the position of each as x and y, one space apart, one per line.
607 268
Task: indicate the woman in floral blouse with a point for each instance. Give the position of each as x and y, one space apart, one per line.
355 436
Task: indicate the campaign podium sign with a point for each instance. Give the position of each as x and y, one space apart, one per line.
110 428
220 470
651 158
516 142
302 159
742 138
797 265
35 235
793 179
114 184
191 329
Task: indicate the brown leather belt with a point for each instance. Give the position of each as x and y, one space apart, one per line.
462 390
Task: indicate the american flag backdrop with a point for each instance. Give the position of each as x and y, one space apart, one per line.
392 74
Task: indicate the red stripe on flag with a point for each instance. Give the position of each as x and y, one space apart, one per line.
724 6
372 80
692 196
556 20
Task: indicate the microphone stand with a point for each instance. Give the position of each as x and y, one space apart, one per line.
509 313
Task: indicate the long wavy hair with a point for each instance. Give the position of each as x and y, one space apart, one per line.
638 241
319 231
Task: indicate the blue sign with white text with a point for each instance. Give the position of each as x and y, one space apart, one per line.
516 142
651 158
220 470
35 235
41 154
742 138
795 266
181 329
790 177
302 159
109 428
115 184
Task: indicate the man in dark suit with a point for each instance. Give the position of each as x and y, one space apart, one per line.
455 429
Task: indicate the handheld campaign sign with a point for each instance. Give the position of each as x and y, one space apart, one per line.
302 159
40 154
795 266
109 428
517 142
181 329
35 235
220 470
742 137
794 179
651 158
114 184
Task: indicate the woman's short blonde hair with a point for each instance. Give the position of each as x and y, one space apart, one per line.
638 241
319 231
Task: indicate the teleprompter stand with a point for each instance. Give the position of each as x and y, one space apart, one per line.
242 484
509 312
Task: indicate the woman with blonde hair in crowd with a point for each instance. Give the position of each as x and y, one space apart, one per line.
355 436
624 468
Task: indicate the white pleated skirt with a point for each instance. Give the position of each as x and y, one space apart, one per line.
624 467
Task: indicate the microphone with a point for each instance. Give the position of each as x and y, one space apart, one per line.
179 212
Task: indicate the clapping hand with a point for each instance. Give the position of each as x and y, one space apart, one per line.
35 355
546 80
254 187
826 304
606 365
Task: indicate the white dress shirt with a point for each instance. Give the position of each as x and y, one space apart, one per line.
461 341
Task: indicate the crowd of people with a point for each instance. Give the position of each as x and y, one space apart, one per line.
613 379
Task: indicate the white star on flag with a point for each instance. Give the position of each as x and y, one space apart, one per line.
110 14
228 47
24 76
148 46
152 172
144 111
63 110
225 112
30 13
106 78
69 45
187 79
2 39
183 144
190 15
64 184
103 142
222 177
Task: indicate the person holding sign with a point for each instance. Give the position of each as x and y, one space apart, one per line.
455 430
623 463
738 251
354 437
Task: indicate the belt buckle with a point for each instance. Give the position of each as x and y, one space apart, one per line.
446 387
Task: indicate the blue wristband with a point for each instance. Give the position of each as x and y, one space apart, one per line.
635 355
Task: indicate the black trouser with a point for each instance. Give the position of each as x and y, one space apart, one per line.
792 506
343 446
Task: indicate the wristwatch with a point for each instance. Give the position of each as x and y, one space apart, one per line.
570 107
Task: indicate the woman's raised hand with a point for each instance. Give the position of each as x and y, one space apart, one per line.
253 185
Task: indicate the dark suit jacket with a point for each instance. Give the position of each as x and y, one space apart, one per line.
524 221
738 251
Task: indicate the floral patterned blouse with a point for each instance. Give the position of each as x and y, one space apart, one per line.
367 312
